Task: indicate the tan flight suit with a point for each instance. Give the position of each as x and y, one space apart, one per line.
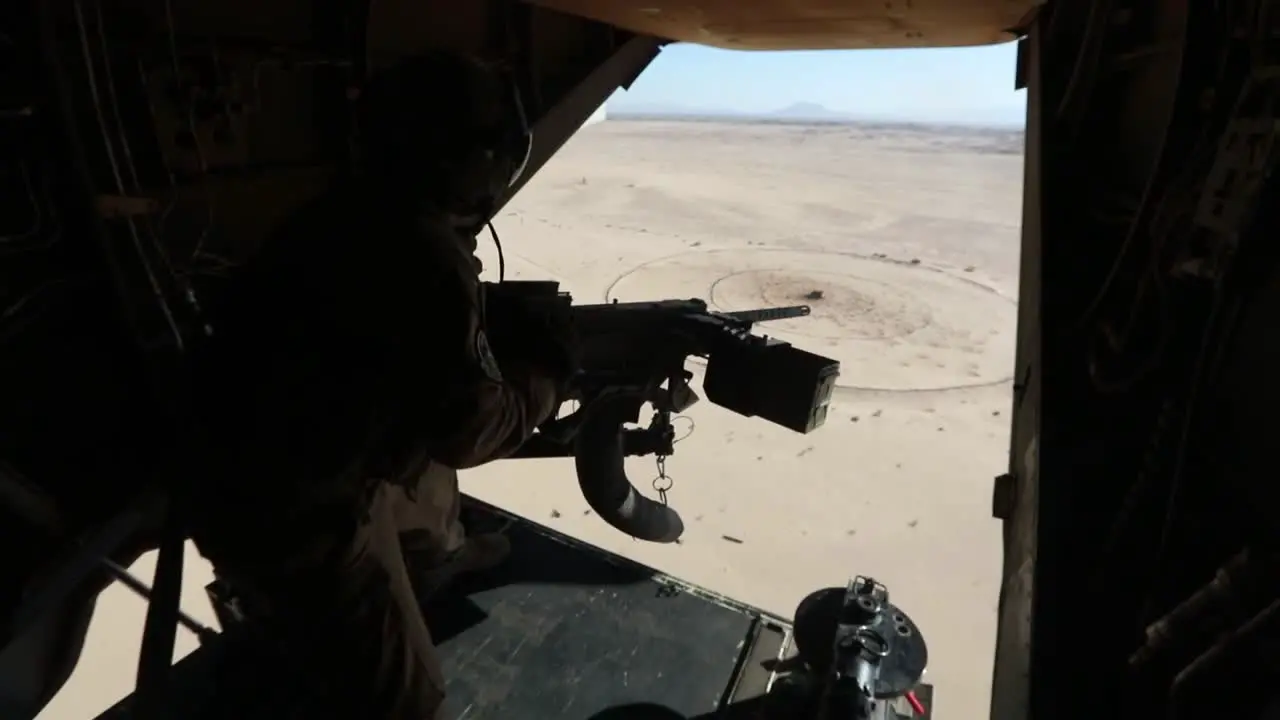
349 374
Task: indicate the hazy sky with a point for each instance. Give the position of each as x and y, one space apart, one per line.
935 85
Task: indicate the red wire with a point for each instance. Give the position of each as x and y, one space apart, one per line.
915 703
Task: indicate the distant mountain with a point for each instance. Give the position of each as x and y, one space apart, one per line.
808 111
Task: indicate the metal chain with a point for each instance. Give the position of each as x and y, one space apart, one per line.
663 482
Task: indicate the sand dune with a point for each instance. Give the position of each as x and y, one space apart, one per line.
910 236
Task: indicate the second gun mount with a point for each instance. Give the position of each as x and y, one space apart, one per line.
861 653
635 353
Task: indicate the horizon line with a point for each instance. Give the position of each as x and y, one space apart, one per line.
781 119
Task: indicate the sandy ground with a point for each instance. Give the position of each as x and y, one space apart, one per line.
912 239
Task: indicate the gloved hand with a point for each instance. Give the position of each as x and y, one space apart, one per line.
524 335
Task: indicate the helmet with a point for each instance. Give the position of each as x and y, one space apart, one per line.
446 128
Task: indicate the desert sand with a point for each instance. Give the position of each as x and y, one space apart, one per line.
910 236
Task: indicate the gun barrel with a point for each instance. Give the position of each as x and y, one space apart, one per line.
767 314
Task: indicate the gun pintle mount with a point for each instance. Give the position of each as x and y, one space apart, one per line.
861 650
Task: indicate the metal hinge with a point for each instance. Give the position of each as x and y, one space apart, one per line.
1004 492
1020 68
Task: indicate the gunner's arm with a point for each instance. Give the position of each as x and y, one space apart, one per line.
467 408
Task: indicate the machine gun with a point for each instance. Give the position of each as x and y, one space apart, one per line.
635 353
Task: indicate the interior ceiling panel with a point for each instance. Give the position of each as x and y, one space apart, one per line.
810 24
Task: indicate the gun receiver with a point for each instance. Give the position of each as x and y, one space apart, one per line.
636 344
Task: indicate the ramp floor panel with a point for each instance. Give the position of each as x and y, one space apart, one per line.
561 631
